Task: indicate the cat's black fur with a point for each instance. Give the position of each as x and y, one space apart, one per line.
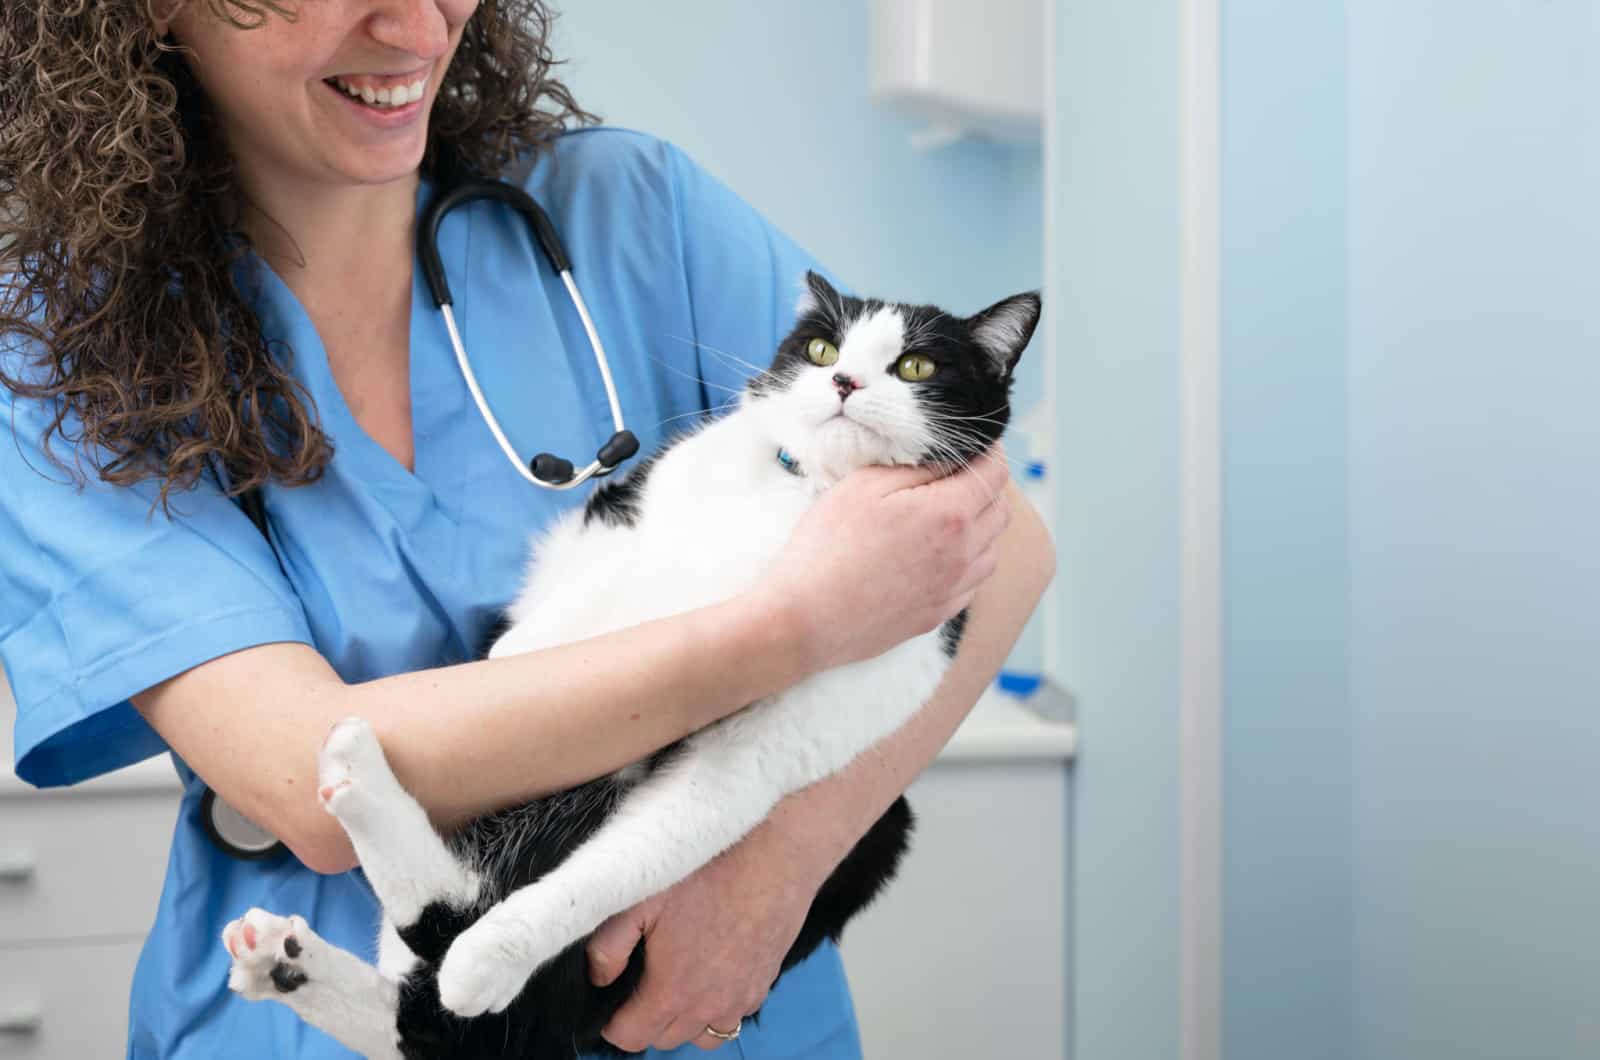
560 1014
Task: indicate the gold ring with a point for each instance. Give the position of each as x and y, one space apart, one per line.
726 1036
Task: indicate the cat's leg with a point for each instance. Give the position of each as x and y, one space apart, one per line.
721 784
666 827
395 958
282 959
407 863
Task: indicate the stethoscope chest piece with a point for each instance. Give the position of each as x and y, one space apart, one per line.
235 833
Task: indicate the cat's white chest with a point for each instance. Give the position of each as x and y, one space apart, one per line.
713 517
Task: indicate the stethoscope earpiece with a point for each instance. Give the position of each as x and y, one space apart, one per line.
551 470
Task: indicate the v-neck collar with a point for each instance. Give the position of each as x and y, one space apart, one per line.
434 403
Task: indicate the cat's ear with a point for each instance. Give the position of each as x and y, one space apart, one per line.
818 296
1003 330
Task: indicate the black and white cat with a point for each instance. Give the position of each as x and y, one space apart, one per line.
481 953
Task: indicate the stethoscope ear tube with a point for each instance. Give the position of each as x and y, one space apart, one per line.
546 469
511 195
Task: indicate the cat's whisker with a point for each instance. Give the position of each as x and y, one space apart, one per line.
717 410
955 438
921 330
724 355
690 375
708 413
945 410
975 446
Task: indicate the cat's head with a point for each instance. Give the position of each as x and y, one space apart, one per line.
859 381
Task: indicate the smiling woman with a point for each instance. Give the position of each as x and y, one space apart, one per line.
120 175
211 288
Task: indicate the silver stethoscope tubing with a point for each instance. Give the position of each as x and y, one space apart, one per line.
545 469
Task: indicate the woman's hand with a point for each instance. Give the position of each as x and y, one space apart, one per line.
713 944
889 553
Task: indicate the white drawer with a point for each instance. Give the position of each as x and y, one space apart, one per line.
65 1002
81 866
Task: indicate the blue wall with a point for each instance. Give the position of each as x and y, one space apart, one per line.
1411 401
1475 520
772 98
1114 293
1288 887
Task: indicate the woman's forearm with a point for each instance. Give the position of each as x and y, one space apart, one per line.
571 713
474 737
820 824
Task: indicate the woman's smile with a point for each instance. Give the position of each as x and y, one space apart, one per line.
383 102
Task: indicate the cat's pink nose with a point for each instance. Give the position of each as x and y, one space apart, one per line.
844 384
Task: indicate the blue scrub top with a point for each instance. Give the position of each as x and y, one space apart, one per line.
385 570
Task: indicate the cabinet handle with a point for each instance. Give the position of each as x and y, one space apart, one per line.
24 1018
16 866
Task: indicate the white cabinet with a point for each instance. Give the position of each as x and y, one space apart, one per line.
66 1002
80 876
965 955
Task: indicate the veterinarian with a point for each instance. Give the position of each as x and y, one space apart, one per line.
210 284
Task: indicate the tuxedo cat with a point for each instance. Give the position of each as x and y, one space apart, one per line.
482 951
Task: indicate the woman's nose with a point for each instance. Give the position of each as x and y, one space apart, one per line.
418 27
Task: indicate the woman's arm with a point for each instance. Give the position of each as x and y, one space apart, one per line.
477 736
717 939
466 739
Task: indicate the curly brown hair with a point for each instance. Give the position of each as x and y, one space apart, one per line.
119 222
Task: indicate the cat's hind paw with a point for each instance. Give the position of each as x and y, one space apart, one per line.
482 972
269 954
351 768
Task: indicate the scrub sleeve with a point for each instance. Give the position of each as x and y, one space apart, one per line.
380 568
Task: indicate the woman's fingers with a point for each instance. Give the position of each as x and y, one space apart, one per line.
685 1027
727 1023
636 1028
879 558
613 941
982 482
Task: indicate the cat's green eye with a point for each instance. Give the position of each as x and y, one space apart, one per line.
822 352
914 367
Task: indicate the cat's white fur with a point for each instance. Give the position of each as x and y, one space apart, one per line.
714 514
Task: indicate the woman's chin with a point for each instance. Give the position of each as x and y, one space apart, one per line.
386 169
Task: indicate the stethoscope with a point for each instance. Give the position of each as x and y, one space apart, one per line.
546 469
230 830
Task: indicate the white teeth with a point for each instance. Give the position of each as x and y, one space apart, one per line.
381 98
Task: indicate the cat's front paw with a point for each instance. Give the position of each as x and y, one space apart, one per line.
483 971
269 954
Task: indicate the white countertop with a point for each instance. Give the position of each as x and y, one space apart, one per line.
1001 728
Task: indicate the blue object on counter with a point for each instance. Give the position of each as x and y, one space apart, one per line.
1019 684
